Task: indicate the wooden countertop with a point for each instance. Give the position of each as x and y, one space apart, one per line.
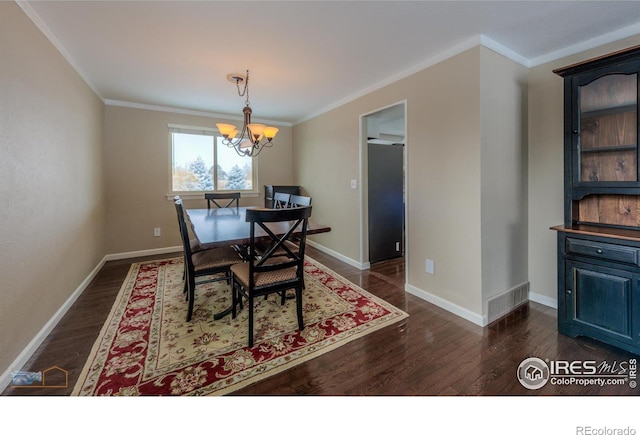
592 230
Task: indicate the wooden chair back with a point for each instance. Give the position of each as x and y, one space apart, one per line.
232 197
296 222
299 201
184 234
281 200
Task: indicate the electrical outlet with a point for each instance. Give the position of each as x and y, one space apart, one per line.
430 267
354 184
156 232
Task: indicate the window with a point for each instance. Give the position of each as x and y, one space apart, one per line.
200 162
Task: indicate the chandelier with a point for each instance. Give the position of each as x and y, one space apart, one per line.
248 143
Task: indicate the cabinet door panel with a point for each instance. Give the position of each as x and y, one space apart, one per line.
601 297
606 126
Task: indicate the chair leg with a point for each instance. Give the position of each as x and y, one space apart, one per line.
234 299
191 295
299 308
250 301
190 304
185 278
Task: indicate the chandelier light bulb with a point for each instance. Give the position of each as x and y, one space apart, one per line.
270 132
256 131
226 129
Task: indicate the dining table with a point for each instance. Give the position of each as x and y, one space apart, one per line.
218 227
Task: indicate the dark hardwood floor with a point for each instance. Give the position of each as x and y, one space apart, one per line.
432 352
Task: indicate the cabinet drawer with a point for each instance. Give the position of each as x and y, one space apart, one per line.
606 251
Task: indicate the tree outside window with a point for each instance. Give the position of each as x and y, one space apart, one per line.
200 162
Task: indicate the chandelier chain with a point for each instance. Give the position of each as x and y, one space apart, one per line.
245 91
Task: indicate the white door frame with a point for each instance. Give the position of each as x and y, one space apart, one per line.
364 237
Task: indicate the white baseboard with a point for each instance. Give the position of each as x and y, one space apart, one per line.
459 311
145 253
349 261
32 347
27 353
544 300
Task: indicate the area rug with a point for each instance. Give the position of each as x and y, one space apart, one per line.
146 348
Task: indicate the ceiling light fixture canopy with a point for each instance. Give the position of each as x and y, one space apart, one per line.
248 144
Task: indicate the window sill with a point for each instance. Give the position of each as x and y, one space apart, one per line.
200 195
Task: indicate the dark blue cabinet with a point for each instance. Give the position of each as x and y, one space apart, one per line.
599 242
599 298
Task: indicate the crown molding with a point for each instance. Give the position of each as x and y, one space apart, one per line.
190 112
479 40
485 41
617 35
396 77
35 18
492 45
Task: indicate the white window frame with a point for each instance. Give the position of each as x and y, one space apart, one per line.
205 131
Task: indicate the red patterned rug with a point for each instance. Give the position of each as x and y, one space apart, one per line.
147 348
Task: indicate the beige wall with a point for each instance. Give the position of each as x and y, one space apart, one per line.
466 177
503 99
546 167
443 115
325 161
51 159
443 175
138 175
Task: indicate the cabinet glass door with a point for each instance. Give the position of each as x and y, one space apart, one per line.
608 132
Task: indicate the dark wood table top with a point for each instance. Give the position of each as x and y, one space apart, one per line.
219 227
592 230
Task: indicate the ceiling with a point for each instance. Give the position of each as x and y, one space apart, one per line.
304 57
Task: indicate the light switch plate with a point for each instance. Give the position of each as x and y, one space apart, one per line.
430 267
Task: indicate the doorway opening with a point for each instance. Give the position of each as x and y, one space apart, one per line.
383 195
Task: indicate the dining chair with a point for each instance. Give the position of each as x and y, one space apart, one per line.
281 200
193 242
266 274
214 261
233 197
299 201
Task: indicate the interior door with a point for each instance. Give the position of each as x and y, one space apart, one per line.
386 201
